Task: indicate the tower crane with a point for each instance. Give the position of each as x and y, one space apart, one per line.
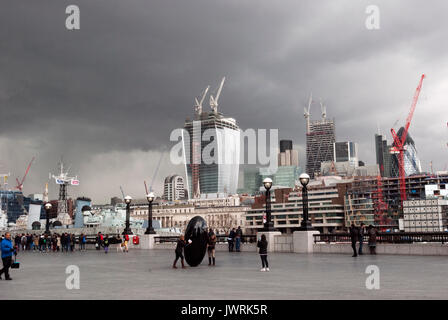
19 185
198 104
214 100
306 113
156 171
122 192
399 142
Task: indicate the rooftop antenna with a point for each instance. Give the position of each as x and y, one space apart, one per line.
214 100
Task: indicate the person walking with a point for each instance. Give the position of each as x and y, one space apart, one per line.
41 243
54 242
99 241
231 239
372 233
72 242
29 242
120 243
7 252
106 244
17 240
361 237
62 238
211 249
262 244
36 242
126 241
179 251
238 238
23 241
58 243
354 234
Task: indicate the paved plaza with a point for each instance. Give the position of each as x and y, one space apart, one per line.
147 274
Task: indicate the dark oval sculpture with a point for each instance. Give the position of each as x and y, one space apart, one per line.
196 232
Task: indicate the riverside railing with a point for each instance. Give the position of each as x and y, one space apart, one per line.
385 237
219 239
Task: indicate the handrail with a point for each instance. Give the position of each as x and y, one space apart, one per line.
385 237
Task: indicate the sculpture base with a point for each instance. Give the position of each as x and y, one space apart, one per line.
303 241
147 241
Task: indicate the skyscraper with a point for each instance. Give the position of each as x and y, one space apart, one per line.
411 161
384 157
287 156
174 188
346 151
211 145
320 139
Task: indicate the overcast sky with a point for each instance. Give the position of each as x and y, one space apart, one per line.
107 96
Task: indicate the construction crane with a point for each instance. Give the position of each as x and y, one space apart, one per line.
122 193
198 104
156 171
214 100
399 142
306 113
19 185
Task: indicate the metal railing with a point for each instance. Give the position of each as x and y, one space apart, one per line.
219 239
386 237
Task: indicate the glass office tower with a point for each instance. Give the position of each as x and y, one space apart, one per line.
212 154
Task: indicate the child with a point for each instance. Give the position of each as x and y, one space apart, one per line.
211 249
263 245
179 251
106 243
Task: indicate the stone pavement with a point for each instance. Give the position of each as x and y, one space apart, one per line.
147 274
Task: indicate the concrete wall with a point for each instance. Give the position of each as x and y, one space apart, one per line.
421 249
283 243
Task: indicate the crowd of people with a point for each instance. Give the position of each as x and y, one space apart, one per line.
65 242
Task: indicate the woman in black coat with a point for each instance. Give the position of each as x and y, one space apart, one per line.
263 245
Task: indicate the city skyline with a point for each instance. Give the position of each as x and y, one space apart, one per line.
107 98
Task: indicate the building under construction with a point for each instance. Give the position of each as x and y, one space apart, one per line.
376 200
211 150
320 139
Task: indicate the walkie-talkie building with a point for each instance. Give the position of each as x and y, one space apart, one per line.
212 154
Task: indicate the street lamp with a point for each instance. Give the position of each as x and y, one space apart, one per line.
127 200
305 224
150 198
48 207
269 225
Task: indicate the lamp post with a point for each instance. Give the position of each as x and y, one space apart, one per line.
127 229
269 225
48 207
305 225
150 198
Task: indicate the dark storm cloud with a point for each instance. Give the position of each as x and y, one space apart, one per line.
129 75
